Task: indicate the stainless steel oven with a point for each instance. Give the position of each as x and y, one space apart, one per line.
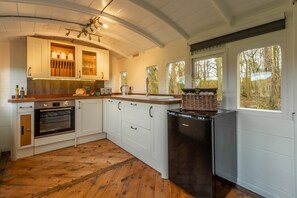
54 117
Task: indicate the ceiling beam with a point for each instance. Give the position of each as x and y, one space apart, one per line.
90 11
223 10
162 17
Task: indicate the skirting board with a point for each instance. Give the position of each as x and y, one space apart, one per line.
90 138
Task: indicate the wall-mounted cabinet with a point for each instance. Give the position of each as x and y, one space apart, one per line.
37 58
51 59
62 60
93 63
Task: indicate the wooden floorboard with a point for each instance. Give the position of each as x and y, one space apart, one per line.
96 169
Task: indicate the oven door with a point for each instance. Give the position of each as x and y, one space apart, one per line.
54 121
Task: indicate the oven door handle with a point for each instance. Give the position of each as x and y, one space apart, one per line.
59 109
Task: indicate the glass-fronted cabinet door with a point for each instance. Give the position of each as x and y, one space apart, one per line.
88 63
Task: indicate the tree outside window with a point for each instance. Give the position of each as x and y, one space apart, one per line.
124 75
152 75
260 78
176 77
207 73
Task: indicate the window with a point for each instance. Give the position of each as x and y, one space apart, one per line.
207 73
152 74
176 77
124 75
260 78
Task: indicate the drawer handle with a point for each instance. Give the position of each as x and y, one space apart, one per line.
151 111
133 104
110 100
119 106
134 128
30 107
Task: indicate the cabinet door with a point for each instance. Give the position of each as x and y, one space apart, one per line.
137 140
137 113
88 117
88 63
104 65
112 119
25 130
37 58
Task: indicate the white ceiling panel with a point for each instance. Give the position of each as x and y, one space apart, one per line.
27 26
2 29
133 26
12 26
26 9
8 8
85 3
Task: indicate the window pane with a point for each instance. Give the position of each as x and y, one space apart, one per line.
124 75
152 74
207 73
260 78
176 77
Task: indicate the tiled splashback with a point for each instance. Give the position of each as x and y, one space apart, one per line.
39 87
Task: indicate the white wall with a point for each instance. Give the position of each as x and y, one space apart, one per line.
135 66
12 73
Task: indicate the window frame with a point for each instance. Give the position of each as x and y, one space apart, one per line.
166 73
121 77
212 53
157 76
275 38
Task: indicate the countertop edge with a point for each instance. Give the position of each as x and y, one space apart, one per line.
151 101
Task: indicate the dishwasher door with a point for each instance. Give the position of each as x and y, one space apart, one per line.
190 153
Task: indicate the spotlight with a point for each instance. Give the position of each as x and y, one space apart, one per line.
105 25
99 39
79 35
85 32
90 38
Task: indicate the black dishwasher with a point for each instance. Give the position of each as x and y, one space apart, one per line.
202 145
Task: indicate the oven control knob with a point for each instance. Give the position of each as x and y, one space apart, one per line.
45 104
66 103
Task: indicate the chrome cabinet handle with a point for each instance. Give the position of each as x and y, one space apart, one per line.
151 107
79 74
119 106
30 107
110 100
79 107
133 104
134 128
102 75
29 71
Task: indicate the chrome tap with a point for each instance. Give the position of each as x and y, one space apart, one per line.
146 86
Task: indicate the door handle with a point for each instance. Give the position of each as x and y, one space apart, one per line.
29 71
151 107
79 74
133 104
119 106
79 107
134 128
102 75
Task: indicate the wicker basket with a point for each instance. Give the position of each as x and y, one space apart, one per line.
199 102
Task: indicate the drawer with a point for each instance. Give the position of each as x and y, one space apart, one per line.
25 107
137 138
137 113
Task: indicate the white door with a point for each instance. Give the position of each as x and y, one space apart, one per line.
265 127
112 119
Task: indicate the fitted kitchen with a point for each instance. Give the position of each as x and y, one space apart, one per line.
190 100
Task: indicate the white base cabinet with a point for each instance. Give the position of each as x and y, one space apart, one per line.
88 117
141 129
23 130
112 119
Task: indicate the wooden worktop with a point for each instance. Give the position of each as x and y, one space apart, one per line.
40 98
